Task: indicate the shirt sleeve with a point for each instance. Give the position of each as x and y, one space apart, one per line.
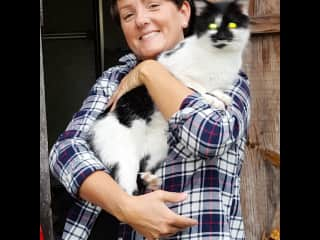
208 132
71 160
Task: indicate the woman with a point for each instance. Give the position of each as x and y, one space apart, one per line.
207 146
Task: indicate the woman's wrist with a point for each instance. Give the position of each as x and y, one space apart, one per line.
100 189
165 90
147 69
123 207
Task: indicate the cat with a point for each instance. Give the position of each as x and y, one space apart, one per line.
132 140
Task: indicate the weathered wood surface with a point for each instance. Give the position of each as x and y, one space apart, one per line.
260 189
265 24
45 195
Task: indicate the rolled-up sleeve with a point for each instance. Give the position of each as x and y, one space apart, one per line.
208 132
71 159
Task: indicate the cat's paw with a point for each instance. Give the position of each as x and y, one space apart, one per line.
225 98
214 101
218 99
152 182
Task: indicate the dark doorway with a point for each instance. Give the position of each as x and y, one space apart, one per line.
79 41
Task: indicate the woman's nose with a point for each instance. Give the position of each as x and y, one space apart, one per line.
142 18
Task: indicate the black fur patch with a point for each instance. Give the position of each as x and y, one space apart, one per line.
221 45
135 104
143 163
156 167
141 184
114 171
231 12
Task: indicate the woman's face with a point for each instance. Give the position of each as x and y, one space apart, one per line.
152 26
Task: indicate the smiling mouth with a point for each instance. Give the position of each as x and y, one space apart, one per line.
148 35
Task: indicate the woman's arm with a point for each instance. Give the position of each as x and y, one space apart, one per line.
71 159
165 90
74 164
210 132
147 214
204 130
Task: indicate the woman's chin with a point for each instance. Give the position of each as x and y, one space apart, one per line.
150 54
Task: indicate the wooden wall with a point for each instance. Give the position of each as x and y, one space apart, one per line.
260 192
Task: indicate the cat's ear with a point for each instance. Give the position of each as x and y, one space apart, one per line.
200 5
242 6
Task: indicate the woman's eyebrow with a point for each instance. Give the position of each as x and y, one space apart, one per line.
128 5
124 7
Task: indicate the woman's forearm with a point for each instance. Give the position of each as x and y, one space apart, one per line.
100 189
166 91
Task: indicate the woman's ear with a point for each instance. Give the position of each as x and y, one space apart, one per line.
185 11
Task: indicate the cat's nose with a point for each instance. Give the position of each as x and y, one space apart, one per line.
222 35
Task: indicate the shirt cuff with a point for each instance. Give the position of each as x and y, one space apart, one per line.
83 171
72 163
190 105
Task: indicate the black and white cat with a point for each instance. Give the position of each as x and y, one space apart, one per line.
133 138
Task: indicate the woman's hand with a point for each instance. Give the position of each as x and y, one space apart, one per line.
132 80
149 215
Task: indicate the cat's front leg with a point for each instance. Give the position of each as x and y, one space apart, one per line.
225 98
152 181
127 176
214 101
218 99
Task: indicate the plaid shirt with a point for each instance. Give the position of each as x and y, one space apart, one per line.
205 157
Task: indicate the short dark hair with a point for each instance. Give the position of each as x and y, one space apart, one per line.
115 13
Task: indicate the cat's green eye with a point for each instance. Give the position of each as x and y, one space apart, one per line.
212 26
232 25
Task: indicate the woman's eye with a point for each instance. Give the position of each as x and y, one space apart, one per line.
212 26
232 25
153 5
127 16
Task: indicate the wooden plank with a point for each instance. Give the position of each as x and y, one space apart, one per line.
260 179
265 24
45 193
263 7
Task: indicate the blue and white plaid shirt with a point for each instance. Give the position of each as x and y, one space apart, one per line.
205 158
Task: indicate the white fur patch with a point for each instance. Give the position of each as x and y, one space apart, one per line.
218 20
118 144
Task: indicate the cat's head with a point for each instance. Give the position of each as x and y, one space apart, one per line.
224 24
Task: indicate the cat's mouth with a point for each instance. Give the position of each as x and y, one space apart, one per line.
220 45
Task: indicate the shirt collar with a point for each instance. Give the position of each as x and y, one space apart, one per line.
129 59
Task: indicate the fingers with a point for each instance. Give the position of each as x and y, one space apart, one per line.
114 104
130 81
182 222
113 100
157 219
171 196
121 90
170 231
178 221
